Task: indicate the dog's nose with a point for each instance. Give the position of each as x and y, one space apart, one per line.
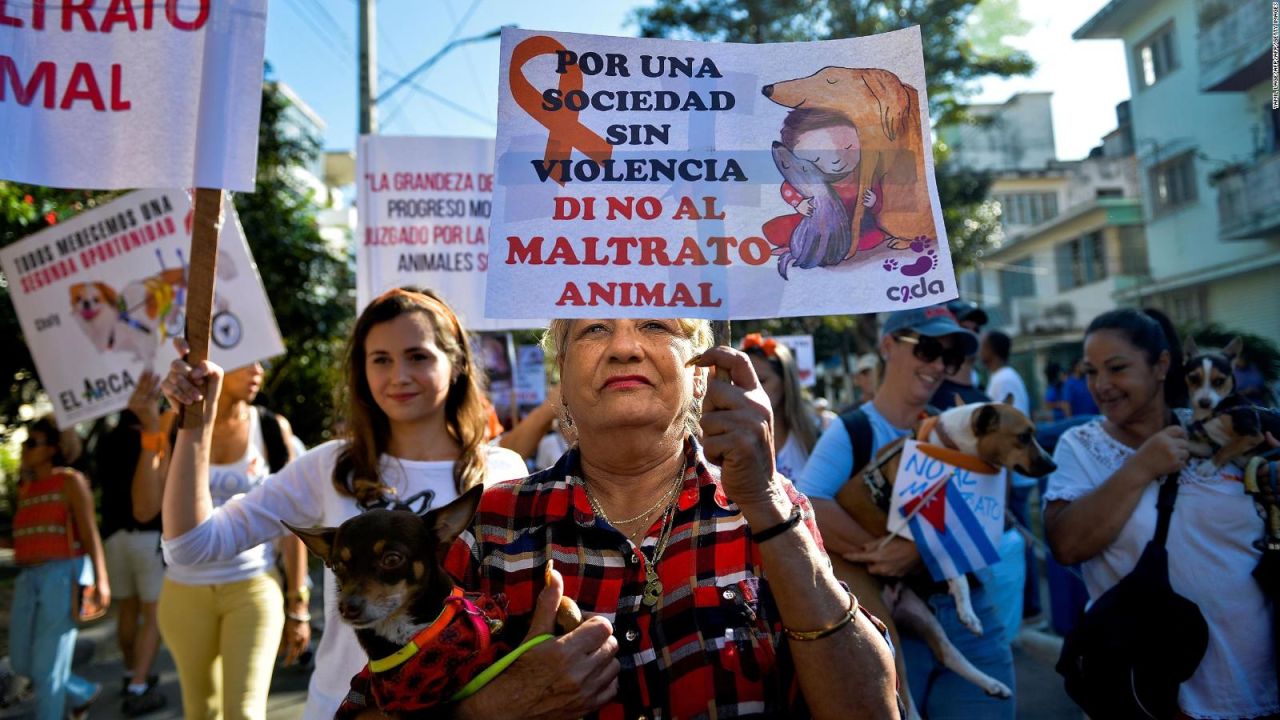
351 608
767 91
1205 403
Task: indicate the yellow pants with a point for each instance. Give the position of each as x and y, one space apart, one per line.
223 639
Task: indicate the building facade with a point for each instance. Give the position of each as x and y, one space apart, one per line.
1205 132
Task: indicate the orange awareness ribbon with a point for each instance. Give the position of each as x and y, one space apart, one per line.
564 131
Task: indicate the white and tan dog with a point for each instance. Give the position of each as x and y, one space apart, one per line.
138 317
995 433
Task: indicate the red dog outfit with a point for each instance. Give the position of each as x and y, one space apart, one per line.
436 664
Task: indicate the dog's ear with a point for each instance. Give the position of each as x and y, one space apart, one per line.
448 522
959 401
1008 399
986 420
319 540
108 293
1189 348
1234 348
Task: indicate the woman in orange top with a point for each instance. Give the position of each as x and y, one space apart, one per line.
53 530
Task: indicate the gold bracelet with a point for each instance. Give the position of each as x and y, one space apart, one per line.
818 634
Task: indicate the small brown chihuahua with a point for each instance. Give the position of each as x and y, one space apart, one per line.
425 638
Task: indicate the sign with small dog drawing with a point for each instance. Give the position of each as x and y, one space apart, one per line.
951 505
101 296
126 95
424 221
645 177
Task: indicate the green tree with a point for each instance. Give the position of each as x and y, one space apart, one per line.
309 284
960 48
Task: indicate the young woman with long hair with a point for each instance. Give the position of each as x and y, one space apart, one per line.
415 437
795 429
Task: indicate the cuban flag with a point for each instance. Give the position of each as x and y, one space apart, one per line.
951 505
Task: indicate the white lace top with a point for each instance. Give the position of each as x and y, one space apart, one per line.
1211 556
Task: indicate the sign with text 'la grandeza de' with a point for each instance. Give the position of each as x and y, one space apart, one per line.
424 214
141 93
642 178
101 296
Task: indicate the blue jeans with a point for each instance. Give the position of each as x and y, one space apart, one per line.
939 693
42 636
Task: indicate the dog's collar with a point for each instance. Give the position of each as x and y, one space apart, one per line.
430 632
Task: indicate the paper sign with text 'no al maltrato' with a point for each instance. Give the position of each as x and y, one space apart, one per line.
643 178
101 296
120 95
424 214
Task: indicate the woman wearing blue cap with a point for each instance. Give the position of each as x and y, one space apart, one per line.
919 347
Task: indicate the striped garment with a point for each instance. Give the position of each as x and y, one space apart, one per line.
711 648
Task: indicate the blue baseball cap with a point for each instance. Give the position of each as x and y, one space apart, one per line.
931 321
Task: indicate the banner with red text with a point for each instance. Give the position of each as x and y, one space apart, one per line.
118 95
643 177
424 206
101 296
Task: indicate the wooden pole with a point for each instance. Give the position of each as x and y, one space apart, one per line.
205 226
721 334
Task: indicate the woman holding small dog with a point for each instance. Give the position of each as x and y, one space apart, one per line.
416 426
795 429
707 591
1101 511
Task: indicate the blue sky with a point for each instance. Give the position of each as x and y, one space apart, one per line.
311 46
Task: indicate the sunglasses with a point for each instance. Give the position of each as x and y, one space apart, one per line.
928 349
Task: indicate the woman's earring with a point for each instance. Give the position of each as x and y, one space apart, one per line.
568 417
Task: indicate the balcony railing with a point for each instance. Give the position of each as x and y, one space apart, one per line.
1247 206
1233 44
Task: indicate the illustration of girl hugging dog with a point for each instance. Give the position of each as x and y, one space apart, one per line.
853 136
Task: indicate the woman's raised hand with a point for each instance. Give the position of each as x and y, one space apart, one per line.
1165 453
737 427
186 385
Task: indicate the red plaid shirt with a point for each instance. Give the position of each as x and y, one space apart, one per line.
711 648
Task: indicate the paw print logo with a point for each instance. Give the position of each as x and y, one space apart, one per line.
890 265
921 243
922 264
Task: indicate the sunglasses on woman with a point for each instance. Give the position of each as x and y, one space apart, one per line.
927 349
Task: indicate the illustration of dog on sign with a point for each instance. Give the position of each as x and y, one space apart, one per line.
851 155
138 317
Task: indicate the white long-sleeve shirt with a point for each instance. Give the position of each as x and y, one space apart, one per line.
303 494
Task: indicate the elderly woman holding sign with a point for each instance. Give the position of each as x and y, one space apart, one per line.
706 587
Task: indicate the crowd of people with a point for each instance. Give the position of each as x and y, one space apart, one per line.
707 590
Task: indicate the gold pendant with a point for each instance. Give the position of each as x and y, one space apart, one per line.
652 591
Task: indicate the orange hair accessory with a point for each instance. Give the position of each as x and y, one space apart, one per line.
756 340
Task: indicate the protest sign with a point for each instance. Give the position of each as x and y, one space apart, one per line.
531 377
495 353
801 347
955 506
643 177
131 94
424 221
101 296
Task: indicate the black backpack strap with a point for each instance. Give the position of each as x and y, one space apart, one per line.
1164 508
273 438
858 425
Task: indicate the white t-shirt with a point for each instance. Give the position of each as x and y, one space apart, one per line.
1007 381
302 494
791 458
1211 558
226 482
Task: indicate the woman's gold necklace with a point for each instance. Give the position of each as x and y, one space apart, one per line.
652 585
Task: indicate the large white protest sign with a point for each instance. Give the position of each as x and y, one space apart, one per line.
424 221
801 347
150 93
951 505
642 177
101 296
